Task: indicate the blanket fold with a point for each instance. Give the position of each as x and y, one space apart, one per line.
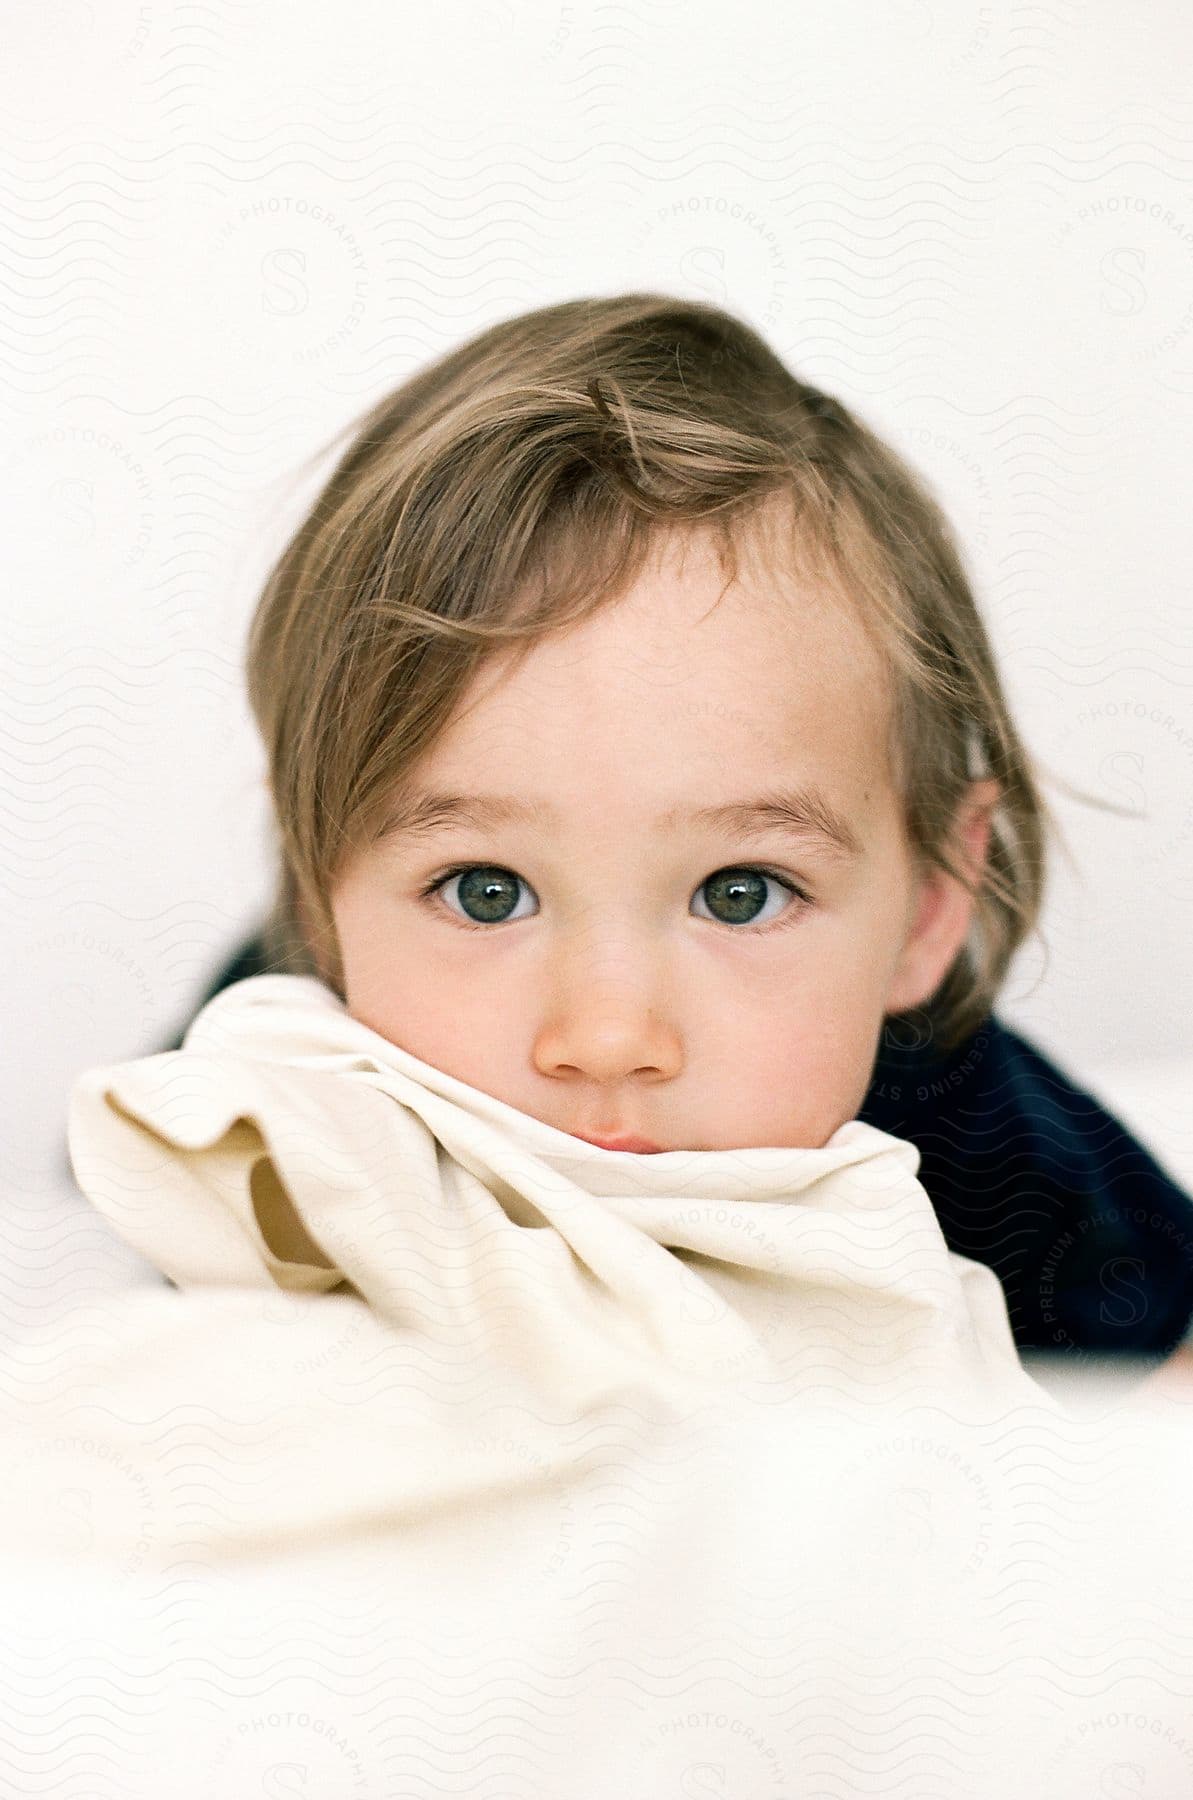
288 1145
474 1459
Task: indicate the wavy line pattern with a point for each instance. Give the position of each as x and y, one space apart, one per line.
875 1598
224 230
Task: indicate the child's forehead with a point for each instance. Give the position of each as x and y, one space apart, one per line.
768 645
756 666
762 598
732 703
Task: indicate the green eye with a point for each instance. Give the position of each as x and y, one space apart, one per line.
492 892
487 894
741 891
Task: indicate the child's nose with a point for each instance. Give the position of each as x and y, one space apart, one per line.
610 1033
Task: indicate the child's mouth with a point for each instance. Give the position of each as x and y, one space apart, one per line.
642 1146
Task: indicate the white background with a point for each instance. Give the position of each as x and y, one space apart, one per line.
227 228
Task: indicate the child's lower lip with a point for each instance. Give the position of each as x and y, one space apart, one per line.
643 1146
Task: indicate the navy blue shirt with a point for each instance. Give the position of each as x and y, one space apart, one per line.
1029 1174
1091 1240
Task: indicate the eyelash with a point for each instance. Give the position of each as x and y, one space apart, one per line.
430 894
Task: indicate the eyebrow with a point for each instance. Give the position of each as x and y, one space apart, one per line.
802 813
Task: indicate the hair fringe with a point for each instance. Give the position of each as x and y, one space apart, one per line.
513 487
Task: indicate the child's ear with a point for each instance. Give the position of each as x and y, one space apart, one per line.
972 830
942 908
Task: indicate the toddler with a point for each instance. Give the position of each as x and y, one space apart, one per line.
635 742
636 750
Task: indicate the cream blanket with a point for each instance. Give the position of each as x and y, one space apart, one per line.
287 1145
472 1459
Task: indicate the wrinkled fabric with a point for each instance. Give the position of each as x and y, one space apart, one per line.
248 1547
470 1458
1028 1172
287 1144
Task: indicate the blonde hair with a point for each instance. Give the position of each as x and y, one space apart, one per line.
515 486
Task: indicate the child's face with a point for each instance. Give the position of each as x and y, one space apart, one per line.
618 979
